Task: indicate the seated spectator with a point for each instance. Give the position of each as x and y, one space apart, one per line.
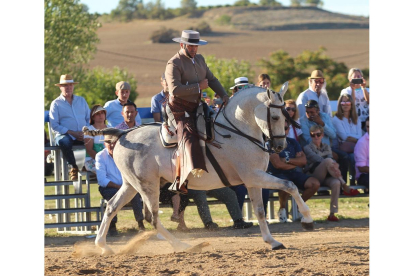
217 103
361 153
158 100
68 114
314 117
288 165
317 92
129 113
321 165
110 181
293 111
263 80
168 197
94 144
359 93
228 197
114 107
348 130
240 83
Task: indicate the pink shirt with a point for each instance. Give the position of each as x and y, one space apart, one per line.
361 153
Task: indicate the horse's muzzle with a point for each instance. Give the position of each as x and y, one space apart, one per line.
279 144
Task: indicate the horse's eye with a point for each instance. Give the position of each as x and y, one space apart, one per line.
275 118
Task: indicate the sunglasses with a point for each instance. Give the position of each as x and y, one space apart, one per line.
316 134
291 109
320 81
346 103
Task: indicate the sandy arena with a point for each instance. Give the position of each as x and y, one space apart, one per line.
334 248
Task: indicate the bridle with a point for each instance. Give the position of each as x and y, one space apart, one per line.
269 127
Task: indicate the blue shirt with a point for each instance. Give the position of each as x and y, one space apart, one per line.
106 170
114 113
309 94
156 103
328 129
292 148
64 116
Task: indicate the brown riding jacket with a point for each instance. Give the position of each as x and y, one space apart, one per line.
183 77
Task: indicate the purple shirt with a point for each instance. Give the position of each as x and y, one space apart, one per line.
361 153
124 125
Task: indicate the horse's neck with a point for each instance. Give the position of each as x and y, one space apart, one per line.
240 112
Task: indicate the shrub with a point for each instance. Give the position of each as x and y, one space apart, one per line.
224 20
202 28
164 35
98 85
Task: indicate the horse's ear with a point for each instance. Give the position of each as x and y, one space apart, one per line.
283 89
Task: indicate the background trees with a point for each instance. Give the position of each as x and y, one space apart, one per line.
70 40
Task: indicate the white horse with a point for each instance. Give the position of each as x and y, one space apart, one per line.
145 164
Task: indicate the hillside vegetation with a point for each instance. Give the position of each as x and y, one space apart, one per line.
285 18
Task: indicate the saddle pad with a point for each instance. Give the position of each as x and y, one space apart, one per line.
167 140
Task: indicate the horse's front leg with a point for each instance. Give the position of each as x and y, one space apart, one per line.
122 197
266 181
255 195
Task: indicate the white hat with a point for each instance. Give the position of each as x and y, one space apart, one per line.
240 81
190 37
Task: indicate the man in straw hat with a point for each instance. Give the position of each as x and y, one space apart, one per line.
68 114
317 92
187 75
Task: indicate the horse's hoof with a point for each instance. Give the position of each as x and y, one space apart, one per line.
107 252
307 226
280 246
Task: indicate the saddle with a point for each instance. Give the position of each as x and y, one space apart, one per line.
204 124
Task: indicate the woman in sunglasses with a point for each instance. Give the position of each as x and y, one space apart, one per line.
293 111
323 167
348 130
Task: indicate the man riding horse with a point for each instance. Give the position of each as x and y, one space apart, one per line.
187 75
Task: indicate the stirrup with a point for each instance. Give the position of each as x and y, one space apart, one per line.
176 188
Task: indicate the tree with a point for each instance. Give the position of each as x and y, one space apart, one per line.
269 3
188 6
70 41
315 3
242 3
98 85
282 67
226 70
296 3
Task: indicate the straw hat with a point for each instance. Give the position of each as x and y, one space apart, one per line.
240 81
98 109
316 74
190 37
65 79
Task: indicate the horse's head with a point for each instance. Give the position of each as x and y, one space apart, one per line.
270 118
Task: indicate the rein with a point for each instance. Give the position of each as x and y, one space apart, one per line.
269 127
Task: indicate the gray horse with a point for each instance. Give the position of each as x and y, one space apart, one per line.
146 165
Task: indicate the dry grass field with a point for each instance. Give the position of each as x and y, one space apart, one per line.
127 45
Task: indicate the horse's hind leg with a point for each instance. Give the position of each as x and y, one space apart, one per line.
122 197
150 196
255 195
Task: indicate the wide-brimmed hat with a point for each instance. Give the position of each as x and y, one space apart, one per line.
316 74
66 79
122 85
98 109
240 81
190 37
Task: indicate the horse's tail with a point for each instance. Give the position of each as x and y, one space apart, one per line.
111 134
